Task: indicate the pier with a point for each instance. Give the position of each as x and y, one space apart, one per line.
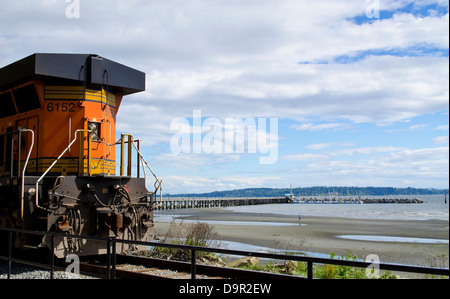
172 203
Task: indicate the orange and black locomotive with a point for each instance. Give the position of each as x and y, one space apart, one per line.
58 148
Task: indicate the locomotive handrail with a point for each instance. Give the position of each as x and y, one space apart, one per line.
81 153
158 182
24 169
130 141
53 164
122 152
19 131
13 150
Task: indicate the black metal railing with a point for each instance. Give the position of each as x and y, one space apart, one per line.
111 256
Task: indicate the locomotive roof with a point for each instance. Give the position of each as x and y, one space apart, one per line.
89 69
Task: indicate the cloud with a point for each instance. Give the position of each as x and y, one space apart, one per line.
331 154
304 157
426 162
367 150
321 127
443 128
440 140
195 162
423 166
379 89
374 166
321 146
418 127
192 184
221 55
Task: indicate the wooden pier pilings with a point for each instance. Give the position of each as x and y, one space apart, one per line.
212 202
173 203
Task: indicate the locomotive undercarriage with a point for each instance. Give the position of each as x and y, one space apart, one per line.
100 206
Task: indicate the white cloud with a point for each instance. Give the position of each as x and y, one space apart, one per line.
366 150
375 89
221 55
418 127
195 162
440 140
192 184
320 127
443 128
321 146
331 154
422 166
304 157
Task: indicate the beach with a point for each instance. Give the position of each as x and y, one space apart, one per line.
408 242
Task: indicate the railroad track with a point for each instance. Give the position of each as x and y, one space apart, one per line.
134 267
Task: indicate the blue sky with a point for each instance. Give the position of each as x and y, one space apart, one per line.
359 100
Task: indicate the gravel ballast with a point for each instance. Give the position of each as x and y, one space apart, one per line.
20 271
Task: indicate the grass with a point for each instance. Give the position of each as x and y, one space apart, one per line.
194 234
319 271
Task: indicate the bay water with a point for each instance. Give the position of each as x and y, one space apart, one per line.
433 207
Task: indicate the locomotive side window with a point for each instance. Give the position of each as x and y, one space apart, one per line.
7 103
26 98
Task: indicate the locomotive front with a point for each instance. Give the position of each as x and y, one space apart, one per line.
58 150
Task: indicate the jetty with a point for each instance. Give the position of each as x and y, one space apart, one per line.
351 200
173 203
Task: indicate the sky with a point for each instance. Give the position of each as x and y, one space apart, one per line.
266 93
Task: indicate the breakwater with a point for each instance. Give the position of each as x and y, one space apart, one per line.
173 203
359 200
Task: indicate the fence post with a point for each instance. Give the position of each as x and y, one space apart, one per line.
52 257
310 270
113 259
108 259
193 266
10 245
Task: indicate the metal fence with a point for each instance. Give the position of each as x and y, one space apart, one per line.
111 243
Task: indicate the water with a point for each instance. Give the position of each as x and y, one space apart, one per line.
393 239
432 208
254 248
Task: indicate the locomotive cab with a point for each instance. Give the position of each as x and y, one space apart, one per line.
59 153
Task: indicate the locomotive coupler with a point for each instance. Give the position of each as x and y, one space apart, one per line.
117 222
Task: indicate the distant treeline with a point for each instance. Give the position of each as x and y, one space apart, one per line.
317 191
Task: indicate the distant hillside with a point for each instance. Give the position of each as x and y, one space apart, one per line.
318 191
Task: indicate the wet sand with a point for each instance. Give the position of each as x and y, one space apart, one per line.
320 234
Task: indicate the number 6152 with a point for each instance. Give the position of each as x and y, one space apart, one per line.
63 107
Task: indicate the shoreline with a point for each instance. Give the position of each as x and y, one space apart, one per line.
319 234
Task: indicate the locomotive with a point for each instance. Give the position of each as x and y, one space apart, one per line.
58 149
